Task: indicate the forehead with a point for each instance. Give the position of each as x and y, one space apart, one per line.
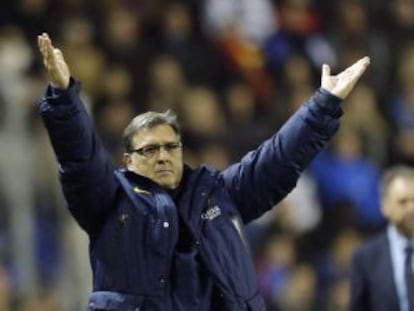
162 133
401 186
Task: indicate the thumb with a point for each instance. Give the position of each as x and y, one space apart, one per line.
326 70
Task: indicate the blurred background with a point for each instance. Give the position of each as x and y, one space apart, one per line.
234 71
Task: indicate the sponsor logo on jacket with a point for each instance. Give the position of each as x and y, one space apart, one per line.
211 213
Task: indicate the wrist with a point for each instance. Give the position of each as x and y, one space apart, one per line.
58 86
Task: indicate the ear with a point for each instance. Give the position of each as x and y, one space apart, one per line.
127 159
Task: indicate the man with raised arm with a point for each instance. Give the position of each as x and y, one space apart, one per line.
164 236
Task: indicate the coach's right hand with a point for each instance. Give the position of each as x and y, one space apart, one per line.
54 62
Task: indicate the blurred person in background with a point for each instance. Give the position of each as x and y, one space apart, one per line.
338 295
17 160
383 268
167 84
347 182
333 266
299 292
400 107
274 266
369 123
353 34
164 236
244 126
238 30
204 121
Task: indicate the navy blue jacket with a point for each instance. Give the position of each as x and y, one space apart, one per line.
133 223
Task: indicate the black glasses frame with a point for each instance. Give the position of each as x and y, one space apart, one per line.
151 150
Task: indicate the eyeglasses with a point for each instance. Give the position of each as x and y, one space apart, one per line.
149 151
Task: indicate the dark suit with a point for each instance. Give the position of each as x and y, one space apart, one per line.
372 281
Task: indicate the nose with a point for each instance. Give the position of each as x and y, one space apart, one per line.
163 154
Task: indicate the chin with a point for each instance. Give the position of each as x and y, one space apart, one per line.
169 184
407 229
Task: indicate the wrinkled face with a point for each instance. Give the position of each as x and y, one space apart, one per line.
157 155
398 204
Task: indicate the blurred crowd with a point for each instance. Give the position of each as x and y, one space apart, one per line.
234 71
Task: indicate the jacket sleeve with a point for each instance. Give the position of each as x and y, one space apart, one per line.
359 299
266 175
85 173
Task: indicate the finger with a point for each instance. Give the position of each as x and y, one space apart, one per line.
326 70
60 61
43 51
355 71
360 64
42 38
50 55
48 45
366 60
364 63
359 72
41 44
359 68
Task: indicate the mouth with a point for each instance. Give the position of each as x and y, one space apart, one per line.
163 171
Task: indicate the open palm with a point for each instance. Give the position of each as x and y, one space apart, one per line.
54 62
342 84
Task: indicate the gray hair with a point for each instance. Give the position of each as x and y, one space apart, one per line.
148 120
393 173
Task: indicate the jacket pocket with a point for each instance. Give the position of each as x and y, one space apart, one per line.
114 301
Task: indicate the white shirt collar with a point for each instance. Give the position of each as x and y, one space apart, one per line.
398 241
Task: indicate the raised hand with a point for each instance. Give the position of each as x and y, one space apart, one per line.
342 84
54 62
